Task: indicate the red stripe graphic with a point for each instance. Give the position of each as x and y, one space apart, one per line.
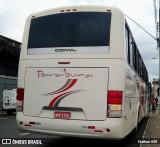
59 96
71 84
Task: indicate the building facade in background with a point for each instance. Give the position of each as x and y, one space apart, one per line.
9 59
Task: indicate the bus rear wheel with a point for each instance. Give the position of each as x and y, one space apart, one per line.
137 124
9 112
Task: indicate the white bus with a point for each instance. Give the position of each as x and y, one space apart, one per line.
80 74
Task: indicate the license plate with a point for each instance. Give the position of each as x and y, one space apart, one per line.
64 115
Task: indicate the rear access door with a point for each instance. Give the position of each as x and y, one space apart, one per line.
7 99
13 98
67 93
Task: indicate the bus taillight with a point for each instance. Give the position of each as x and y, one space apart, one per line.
20 98
114 104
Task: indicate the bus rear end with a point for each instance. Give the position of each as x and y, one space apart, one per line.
64 74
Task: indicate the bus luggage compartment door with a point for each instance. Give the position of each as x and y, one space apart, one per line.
66 93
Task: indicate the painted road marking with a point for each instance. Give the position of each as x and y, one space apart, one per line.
3 118
24 134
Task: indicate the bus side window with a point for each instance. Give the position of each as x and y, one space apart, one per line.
127 45
131 49
137 60
140 66
134 55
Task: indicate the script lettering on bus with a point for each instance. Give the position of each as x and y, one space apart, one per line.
64 73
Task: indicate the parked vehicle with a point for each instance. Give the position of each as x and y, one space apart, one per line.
9 101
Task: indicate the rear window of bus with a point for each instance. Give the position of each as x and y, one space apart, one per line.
80 29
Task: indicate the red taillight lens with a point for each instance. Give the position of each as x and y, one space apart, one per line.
115 94
20 94
115 101
115 97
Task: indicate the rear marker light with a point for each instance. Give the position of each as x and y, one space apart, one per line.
100 131
64 62
108 10
84 127
32 123
27 125
68 10
91 127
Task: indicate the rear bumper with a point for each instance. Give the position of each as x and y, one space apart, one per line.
72 128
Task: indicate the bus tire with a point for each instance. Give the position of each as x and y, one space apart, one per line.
137 124
9 112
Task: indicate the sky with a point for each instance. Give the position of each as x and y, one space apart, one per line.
13 14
